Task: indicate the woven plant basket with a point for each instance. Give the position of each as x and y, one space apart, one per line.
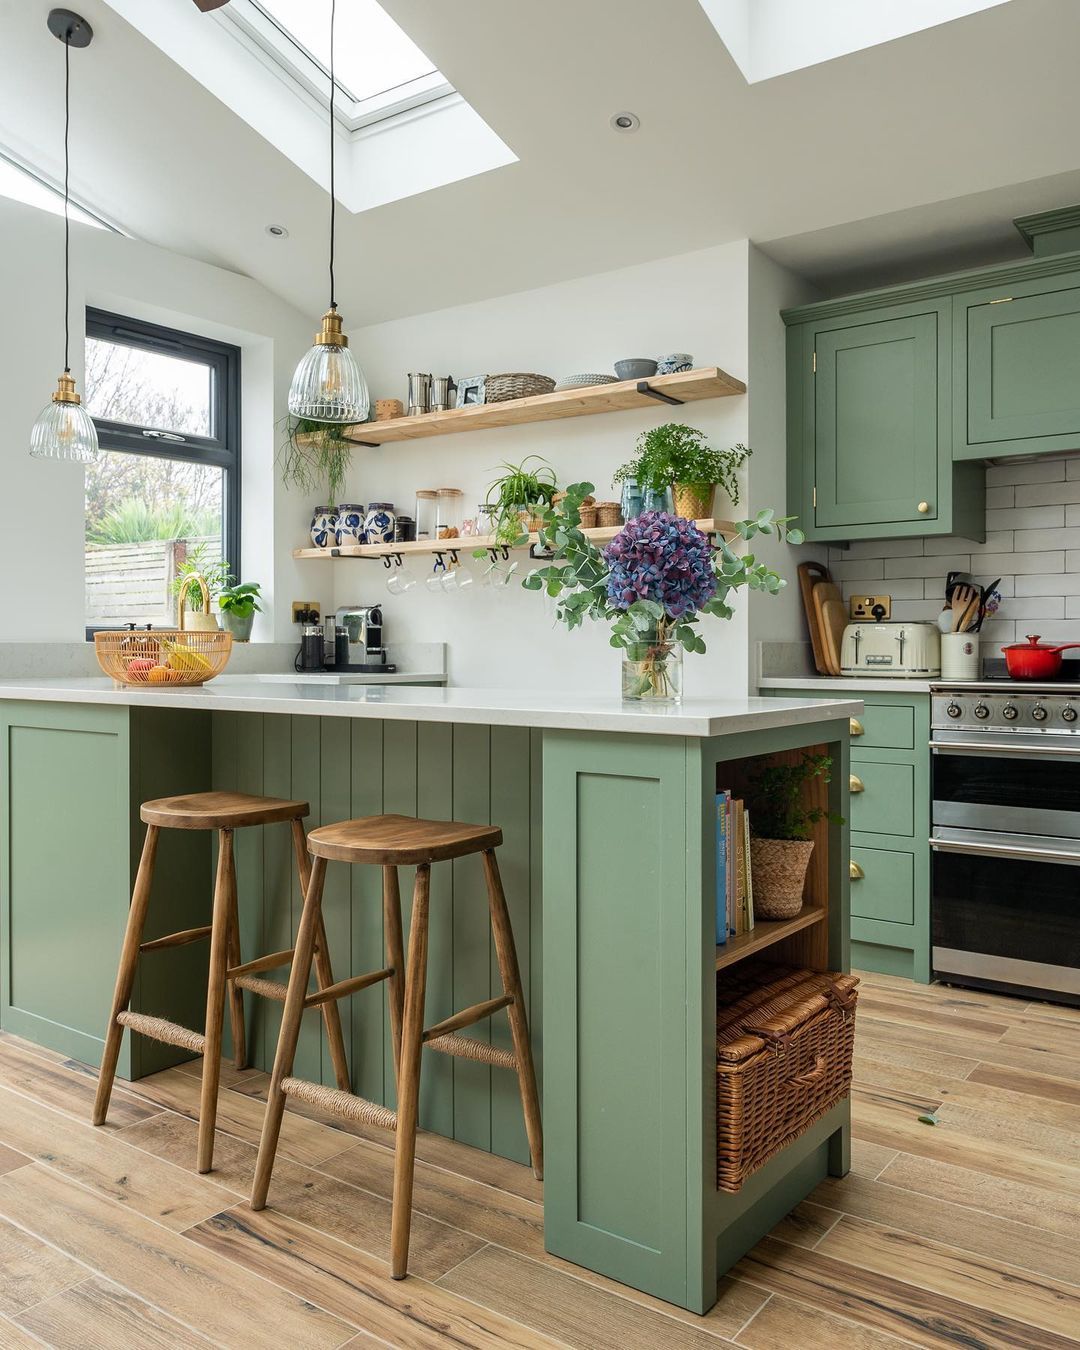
588 517
608 514
784 1041
779 871
516 384
693 500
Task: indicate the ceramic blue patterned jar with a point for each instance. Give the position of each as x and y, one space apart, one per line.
350 523
324 527
380 522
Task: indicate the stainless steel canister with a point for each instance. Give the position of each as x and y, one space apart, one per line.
419 394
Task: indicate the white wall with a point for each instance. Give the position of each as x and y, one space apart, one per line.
697 303
41 504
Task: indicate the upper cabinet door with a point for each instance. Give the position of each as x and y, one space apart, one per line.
1018 355
878 400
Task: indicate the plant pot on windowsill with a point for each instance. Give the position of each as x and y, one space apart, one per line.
779 868
239 625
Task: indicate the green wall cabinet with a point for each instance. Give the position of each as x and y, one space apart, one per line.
895 396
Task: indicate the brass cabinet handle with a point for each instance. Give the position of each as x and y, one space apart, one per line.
855 784
855 727
855 871
924 508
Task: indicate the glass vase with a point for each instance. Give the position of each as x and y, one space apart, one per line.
652 671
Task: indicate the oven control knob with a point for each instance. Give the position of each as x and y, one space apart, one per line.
1068 713
1038 713
982 712
954 710
1010 712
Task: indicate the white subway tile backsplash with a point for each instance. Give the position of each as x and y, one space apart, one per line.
900 588
1072 515
921 611
1072 606
927 567
877 548
1045 494
1057 583
997 497
1019 564
859 569
1031 541
1030 471
997 541
1037 607
1072 467
1026 518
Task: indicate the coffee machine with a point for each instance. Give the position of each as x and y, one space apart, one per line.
366 653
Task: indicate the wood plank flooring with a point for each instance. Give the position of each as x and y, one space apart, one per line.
965 1233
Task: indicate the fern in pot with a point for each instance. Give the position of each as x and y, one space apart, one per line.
781 823
680 458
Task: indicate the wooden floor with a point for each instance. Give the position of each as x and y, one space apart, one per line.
963 1233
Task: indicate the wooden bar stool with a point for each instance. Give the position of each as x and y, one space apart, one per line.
224 812
390 842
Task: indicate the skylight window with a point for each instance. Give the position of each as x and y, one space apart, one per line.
20 185
380 70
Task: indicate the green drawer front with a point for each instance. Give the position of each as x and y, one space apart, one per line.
884 728
886 805
886 890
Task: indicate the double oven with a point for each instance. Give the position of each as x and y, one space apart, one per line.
1005 838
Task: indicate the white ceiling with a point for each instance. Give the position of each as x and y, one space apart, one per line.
857 167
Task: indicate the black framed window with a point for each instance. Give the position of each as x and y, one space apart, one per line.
166 489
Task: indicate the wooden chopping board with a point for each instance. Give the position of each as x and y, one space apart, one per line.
810 574
832 619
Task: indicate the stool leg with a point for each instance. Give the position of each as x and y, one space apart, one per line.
395 957
215 1000
412 1040
519 1025
324 972
289 1033
125 975
236 994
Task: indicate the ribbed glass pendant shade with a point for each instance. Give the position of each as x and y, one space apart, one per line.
65 430
329 385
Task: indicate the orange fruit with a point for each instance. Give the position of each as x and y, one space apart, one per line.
160 675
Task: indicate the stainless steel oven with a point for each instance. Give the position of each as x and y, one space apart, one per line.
1005 836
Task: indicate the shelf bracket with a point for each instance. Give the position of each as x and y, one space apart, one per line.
644 387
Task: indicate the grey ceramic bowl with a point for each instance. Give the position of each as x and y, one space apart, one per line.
668 365
636 369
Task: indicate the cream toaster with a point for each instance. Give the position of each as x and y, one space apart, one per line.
902 650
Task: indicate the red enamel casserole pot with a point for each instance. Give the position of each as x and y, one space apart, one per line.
1034 659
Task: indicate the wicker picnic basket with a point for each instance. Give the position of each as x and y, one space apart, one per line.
784 1041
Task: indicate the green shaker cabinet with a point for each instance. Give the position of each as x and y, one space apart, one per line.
1020 365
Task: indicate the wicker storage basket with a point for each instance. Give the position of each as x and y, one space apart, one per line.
587 515
165 658
608 514
784 1041
516 384
779 871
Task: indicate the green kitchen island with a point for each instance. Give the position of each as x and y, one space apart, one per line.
607 811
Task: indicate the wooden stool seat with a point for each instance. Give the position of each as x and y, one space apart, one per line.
401 841
220 811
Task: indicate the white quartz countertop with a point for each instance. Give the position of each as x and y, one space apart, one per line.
490 707
854 683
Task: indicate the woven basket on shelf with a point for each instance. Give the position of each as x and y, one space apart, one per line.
779 868
588 517
784 1041
515 384
693 500
608 514
164 658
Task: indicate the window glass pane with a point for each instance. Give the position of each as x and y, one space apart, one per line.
371 53
144 517
147 389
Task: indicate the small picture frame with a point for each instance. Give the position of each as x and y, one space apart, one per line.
470 391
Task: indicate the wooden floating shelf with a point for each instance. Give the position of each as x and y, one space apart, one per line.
685 386
466 543
764 933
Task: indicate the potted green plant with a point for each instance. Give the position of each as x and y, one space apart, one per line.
519 497
314 454
239 605
193 573
680 457
781 823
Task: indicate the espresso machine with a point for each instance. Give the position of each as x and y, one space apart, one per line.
362 647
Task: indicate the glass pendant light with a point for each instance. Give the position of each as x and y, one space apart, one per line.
65 430
328 385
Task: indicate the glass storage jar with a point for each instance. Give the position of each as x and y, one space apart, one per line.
425 513
449 507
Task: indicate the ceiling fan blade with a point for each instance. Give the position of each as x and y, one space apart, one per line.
207 5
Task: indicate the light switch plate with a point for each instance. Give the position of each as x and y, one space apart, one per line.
873 608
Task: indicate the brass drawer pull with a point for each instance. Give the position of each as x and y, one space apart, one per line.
855 727
924 508
855 871
855 784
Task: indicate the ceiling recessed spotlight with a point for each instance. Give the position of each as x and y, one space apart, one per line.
626 121
277 231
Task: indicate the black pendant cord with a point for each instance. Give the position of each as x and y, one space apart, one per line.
333 193
67 221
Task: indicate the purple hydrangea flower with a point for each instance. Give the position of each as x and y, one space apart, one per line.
662 558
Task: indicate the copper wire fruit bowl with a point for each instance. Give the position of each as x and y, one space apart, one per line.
162 659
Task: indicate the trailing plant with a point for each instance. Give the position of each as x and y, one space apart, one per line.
242 600
214 571
655 579
676 453
519 488
776 800
314 454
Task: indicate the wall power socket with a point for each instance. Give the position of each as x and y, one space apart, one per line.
299 606
870 607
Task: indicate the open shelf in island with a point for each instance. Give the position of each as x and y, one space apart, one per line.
764 933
